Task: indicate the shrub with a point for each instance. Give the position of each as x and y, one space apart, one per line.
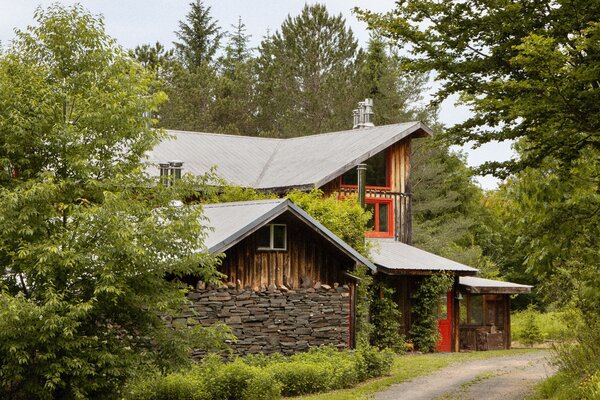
262 386
531 333
372 362
260 377
385 317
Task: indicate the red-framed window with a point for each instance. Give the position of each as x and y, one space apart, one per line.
378 174
382 220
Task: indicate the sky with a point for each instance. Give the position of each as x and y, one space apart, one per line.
135 22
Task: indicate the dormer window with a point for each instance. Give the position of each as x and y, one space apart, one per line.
377 173
272 237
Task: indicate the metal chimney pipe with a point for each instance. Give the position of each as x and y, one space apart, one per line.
164 173
362 177
368 112
361 114
356 116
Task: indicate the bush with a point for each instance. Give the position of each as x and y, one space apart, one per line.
531 333
260 377
554 325
373 363
385 317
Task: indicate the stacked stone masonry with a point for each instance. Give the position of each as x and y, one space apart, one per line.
275 319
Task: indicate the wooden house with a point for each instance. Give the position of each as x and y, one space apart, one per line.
374 162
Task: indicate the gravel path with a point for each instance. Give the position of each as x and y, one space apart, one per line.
505 378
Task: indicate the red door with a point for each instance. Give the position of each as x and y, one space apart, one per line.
445 323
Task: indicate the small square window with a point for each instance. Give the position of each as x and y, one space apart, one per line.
272 237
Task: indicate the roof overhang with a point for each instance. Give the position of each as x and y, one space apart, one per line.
278 209
476 285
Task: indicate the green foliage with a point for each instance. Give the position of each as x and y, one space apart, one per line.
446 203
262 377
518 70
86 239
364 329
344 217
386 317
554 325
305 70
199 36
531 333
424 331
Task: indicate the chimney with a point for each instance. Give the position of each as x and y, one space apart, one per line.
363 115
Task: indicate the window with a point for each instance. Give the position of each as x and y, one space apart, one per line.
475 310
272 237
377 172
381 222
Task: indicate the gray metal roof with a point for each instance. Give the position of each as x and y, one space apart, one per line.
232 222
262 163
397 258
481 285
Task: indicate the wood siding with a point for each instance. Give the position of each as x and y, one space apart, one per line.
309 258
399 155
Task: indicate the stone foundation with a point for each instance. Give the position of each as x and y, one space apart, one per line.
275 319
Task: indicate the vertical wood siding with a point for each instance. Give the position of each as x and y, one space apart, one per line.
308 258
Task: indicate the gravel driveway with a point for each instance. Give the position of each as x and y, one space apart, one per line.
505 378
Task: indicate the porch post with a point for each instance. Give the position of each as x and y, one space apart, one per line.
455 316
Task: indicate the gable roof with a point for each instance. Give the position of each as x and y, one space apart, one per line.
264 163
474 285
393 257
233 222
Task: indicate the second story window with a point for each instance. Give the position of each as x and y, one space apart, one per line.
381 224
377 172
272 237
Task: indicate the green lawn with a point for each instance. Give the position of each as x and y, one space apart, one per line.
407 367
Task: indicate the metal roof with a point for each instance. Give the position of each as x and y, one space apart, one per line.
234 221
480 285
392 257
262 163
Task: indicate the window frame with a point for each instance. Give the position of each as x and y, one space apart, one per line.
388 176
390 203
272 238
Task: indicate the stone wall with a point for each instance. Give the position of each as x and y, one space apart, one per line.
275 319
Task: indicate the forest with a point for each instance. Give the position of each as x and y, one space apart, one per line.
532 80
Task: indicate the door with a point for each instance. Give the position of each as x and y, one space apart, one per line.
445 322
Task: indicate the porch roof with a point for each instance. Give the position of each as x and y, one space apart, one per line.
395 258
475 285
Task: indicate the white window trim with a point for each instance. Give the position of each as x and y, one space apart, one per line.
272 238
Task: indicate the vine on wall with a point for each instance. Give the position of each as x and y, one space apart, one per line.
424 331
386 317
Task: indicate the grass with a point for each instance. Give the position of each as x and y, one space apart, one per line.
554 325
407 367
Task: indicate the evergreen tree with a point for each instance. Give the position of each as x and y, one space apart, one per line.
234 109
199 36
306 74
155 58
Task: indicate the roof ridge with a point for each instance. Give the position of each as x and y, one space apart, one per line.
350 130
225 134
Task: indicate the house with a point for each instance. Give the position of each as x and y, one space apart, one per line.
288 282
374 162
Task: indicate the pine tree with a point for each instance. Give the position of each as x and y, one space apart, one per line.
233 110
199 36
306 72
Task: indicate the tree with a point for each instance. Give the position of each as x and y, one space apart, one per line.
200 36
396 93
527 70
306 73
155 58
234 108
86 240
